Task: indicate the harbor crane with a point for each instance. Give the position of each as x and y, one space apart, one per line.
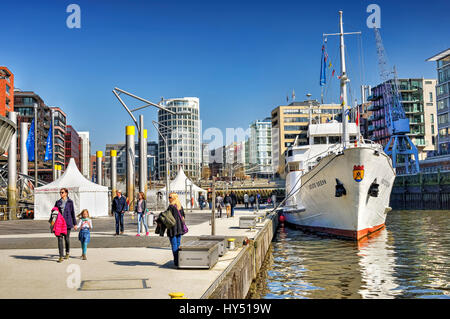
400 147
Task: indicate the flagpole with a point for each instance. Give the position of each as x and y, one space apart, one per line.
35 147
53 144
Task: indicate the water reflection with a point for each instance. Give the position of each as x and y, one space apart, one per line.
377 262
408 259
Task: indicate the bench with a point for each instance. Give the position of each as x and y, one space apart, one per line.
222 240
198 254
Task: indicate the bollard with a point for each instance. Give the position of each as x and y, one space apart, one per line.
99 168
176 295
142 155
113 167
231 245
130 163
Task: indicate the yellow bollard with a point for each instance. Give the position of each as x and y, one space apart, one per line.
231 243
176 295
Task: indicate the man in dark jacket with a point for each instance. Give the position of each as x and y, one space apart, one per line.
233 203
65 206
201 201
119 206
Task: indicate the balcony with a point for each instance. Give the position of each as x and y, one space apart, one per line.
409 110
417 132
373 107
374 97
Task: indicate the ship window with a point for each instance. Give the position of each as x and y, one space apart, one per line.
334 139
320 140
294 167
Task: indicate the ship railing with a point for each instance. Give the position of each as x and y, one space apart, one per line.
337 147
334 148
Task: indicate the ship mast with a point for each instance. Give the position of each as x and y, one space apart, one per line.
344 79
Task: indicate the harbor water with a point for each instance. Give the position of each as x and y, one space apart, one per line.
409 259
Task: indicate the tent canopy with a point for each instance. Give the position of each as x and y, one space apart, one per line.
181 185
84 193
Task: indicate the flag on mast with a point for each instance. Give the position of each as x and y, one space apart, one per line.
49 145
30 142
323 69
293 95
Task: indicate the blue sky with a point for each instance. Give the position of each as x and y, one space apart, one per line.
241 58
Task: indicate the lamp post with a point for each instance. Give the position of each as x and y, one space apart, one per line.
142 149
167 158
140 127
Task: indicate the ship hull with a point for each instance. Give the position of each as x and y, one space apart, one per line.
353 215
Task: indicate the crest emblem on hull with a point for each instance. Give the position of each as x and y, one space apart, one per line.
358 173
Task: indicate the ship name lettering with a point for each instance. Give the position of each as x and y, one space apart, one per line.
317 184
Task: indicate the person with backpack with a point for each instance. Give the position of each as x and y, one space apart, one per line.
67 210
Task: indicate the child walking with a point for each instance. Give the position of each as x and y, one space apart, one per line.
85 226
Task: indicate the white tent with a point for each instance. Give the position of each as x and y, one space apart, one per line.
181 185
84 193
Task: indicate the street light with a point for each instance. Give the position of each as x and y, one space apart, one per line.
140 127
167 157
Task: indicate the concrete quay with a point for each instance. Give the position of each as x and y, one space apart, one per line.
126 266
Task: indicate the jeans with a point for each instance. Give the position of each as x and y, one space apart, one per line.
61 239
175 242
119 221
84 247
232 211
142 218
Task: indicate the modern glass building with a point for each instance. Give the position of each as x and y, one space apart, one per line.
183 134
443 100
260 144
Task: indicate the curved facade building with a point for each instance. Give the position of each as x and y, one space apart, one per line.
183 137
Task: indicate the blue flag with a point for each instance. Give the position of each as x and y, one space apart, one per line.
30 143
323 68
49 146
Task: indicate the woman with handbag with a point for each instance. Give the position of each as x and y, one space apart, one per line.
179 229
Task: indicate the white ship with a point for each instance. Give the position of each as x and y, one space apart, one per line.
338 184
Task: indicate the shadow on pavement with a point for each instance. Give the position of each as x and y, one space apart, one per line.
51 258
168 265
